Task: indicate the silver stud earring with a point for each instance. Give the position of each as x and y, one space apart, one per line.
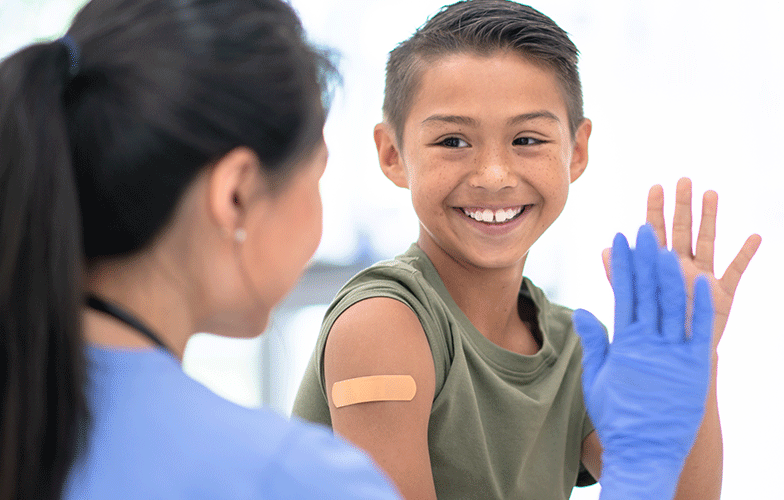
240 235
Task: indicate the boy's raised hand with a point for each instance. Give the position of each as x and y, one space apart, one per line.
646 391
698 259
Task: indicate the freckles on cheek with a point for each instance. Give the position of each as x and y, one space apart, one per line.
562 172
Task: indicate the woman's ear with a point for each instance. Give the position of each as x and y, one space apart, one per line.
389 156
234 183
580 150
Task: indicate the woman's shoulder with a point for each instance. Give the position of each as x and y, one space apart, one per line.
276 457
162 428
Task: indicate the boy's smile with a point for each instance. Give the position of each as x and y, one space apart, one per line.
490 216
487 155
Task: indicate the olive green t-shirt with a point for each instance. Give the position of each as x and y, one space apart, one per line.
503 425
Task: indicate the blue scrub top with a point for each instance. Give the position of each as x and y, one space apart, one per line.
156 433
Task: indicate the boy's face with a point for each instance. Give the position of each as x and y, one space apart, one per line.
487 155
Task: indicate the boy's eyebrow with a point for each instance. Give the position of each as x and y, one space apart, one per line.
472 122
536 115
456 119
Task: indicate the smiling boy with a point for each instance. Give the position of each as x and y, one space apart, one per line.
483 124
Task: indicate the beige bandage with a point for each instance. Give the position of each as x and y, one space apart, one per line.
373 388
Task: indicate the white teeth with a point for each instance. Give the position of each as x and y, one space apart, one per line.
498 217
502 216
487 215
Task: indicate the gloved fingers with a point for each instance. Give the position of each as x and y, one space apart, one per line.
621 275
645 279
702 313
595 344
673 296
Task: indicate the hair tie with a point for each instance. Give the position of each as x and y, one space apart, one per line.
73 54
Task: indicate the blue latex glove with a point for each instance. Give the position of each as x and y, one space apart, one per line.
646 391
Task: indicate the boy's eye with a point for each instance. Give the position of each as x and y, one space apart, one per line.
453 142
526 141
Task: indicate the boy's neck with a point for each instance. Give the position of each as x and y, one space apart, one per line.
488 297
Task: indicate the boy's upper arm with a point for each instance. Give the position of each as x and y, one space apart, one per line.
591 455
383 336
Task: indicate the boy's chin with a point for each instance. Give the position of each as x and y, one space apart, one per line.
494 256
498 262
490 259
474 255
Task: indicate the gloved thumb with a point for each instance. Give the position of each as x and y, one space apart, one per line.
595 344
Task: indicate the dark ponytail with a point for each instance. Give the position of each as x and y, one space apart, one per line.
95 153
41 368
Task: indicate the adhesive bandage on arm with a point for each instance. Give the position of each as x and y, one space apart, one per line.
373 388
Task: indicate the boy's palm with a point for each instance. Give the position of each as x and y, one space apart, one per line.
700 260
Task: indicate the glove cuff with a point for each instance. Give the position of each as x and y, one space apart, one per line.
645 479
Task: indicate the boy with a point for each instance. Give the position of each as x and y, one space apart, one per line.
477 391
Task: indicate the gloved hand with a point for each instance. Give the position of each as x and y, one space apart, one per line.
646 391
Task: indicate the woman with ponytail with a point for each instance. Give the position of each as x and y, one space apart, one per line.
159 170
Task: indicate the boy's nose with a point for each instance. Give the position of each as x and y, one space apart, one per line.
494 174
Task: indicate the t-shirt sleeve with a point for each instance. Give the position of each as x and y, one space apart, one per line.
585 478
318 465
588 427
399 282
402 284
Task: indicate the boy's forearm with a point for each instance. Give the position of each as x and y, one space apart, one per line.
702 473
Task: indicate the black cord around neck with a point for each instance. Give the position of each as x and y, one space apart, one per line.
124 316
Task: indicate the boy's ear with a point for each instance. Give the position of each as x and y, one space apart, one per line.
580 150
389 156
234 182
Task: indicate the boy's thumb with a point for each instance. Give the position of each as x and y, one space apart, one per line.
595 344
606 254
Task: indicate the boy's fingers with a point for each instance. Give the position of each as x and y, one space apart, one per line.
703 253
645 275
681 221
673 296
606 262
593 339
655 215
621 272
702 313
729 282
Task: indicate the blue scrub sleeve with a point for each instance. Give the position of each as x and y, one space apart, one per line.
327 468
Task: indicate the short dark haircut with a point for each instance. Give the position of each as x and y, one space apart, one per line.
482 27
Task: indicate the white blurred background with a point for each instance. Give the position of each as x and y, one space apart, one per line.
674 88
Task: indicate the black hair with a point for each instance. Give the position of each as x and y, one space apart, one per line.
481 27
100 134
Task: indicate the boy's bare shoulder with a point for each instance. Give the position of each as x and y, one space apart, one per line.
383 325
